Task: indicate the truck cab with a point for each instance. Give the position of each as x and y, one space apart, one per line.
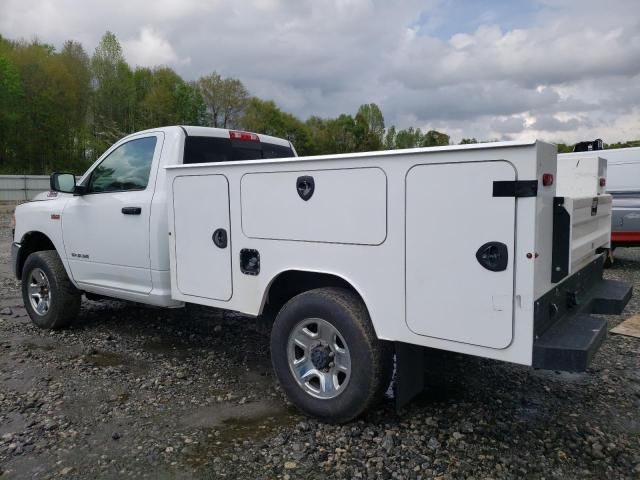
111 230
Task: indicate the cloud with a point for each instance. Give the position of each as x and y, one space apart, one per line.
561 70
149 49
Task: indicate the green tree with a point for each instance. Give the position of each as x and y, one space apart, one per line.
225 99
390 138
263 116
191 107
369 128
11 99
433 138
114 93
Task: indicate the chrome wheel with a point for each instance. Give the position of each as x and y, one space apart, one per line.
319 358
39 291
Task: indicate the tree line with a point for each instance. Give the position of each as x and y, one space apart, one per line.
59 110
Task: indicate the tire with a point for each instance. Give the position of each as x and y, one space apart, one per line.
338 315
63 298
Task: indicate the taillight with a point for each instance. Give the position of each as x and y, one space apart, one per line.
246 136
547 179
603 181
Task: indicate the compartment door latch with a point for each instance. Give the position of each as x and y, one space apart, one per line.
305 186
493 256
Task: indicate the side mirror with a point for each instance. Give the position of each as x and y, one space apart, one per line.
62 182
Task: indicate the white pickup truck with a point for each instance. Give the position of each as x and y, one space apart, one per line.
359 259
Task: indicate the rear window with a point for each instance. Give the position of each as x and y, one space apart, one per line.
215 149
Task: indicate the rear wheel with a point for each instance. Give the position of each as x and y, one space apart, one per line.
327 357
49 297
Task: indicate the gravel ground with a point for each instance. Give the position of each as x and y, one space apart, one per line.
147 393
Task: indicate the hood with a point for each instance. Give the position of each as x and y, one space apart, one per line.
49 195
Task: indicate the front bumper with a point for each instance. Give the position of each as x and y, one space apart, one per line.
566 337
15 255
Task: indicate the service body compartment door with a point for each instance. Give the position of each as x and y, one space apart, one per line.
450 214
202 241
336 206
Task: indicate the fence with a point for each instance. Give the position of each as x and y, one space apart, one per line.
19 188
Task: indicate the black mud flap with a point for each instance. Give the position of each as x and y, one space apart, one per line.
409 374
566 336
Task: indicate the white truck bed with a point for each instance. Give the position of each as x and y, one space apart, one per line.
404 228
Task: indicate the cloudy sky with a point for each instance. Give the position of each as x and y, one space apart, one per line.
560 70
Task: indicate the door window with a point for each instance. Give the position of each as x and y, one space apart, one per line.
126 168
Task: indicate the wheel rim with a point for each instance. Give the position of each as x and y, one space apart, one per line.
39 292
319 358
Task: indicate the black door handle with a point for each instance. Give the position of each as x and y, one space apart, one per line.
493 256
219 237
131 210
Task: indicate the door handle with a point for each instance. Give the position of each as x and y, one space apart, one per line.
493 256
219 237
131 210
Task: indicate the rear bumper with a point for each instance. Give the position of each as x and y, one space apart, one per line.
15 255
566 337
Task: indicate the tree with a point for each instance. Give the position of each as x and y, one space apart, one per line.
225 99
263 116
390 138
466 141
433 138
77 63
114 93
11 99
191 107
369 128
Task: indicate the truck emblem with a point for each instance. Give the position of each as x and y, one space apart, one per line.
305 186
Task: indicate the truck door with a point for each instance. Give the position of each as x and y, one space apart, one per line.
459 253
106 230
202 241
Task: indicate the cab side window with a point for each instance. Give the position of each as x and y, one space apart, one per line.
126 168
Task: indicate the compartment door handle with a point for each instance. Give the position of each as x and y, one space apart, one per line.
493 256
219 238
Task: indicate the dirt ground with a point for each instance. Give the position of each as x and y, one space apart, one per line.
138 392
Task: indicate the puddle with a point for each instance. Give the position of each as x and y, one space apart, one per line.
227 423
106 359
45 346
113 359
232 414
166 346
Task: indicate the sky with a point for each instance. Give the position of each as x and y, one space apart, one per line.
557 70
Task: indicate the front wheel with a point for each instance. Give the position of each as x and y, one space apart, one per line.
49 297
327 357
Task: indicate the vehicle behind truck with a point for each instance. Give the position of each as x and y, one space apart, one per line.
622 182
358 261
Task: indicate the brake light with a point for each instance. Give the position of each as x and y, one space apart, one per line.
603 181
246 136
547 179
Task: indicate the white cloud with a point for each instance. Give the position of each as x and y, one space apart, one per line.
149 49
570 71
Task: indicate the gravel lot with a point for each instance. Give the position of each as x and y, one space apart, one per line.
146 393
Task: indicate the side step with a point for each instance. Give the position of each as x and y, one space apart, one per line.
566 336
570 344
610 297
